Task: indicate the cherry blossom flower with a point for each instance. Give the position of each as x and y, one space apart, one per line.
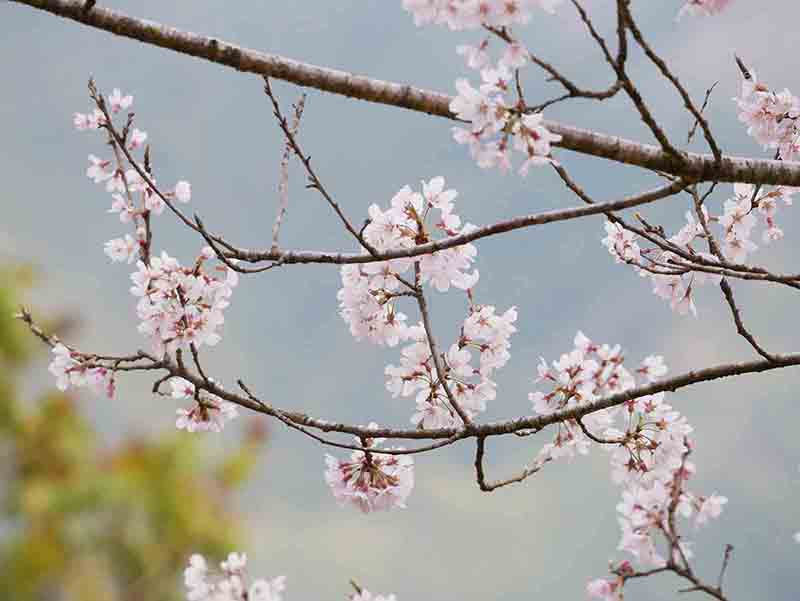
137 139
738 222
515 55
479 107
179 306
65 368
209 413
195 578
710 508
122 249
607 590
476 56
647 440
653 367
534 139
495 121
770 116
370 480
230 584
621 243
98 169
471 385
91 120
121 206
369 293
133 198
70 372
117 102
183 191
267 590
495 128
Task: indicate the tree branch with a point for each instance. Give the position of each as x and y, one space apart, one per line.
700 167
515 223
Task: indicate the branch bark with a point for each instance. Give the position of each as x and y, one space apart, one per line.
699 167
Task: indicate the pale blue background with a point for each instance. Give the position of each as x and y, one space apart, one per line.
543 539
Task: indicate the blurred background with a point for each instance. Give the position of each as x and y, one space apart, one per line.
104 500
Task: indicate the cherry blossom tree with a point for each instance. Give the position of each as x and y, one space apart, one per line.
418 243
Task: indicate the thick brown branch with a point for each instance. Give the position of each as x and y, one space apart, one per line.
693 166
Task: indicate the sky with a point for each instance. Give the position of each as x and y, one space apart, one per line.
544 538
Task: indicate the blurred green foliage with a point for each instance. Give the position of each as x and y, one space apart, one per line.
80 521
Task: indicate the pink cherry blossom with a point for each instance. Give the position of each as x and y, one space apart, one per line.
183 191
476 56
230 583
122 249
117 102
370 480
369 295
179 306
98 169
70 372
209 413
646 438
607 590
137 139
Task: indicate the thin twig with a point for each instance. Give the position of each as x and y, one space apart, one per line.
667 73
283 185
702 108
316 183
480 475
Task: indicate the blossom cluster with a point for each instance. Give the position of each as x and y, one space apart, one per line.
671 276
132 197
369 292
209 412
230 583
181 306
770 117
368 303
371 480
178 306
497 125
484 332
585 374
647 438
71 370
